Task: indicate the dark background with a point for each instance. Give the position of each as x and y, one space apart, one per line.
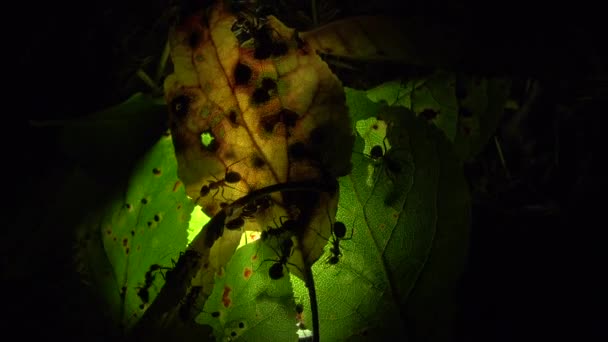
537 246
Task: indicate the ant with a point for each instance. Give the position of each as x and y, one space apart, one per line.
275 271
255 206
252 23
143 292
338 233
230 177
284 227
380 155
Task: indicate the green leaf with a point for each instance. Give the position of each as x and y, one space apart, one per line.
246 303
406 213
400 221
433 98
146 225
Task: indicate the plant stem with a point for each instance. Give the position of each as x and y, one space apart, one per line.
314 309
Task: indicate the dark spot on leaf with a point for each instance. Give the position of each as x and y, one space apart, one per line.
180 106
297 151
194 38
132 233
260 95
156 171
242 74
375 126
299 308
279 49
144 201
289 117
156 218
109 232
233 334
114 239
241 325
317 136
127 206
428 114
125 241
269 84
232 117
127 250
247 273
226 296
464 112
215 314
258 162
149 223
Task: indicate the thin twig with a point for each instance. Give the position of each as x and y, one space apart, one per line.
148 81
315 19
162 63
314 309
502 157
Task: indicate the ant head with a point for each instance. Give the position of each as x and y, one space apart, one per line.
376 152
339 230
276 271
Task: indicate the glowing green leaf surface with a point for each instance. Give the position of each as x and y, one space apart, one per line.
246 303
146 226
396 221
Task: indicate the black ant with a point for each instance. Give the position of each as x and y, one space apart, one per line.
144 292
338 233
379 154
253 24
230 177
284 227
275 271
256 206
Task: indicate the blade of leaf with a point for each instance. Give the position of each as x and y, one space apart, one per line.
146 226
246 303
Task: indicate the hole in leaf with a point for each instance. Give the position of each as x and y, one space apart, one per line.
208 140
